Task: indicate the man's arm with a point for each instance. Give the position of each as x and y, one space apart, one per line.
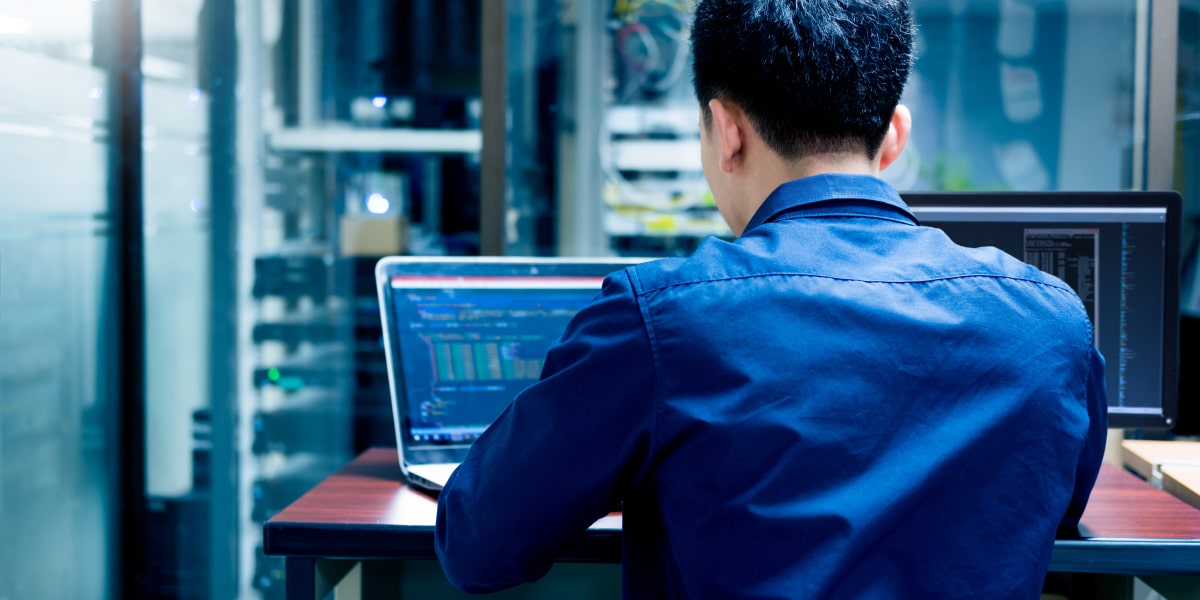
562 455
1093 449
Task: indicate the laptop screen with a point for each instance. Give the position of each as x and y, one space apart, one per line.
466 346
1118 251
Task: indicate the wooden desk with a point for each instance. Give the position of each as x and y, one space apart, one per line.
366 512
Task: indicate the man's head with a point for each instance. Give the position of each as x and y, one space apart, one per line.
791 88
812 76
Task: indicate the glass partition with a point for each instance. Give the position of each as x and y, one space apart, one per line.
1017 95
57 407
603 153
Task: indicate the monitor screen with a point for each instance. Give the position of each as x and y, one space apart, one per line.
1118 251
468 345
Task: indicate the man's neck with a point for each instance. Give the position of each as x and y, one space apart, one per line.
769 175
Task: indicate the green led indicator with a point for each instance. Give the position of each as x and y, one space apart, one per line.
273 374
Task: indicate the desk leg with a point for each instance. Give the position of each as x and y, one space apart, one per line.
308 578
300 578
1175 587
1092 586
382 579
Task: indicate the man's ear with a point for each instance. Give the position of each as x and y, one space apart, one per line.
896 138
728 132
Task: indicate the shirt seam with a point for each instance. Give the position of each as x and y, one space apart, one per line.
637 288
667 286
1089 342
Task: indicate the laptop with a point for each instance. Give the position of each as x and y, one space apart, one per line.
464 336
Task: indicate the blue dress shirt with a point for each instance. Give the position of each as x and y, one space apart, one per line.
839 404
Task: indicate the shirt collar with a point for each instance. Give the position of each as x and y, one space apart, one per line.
871 194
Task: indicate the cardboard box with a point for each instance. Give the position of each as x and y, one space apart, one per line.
1183 482
363 235
1148 457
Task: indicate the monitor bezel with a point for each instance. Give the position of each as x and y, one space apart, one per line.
1169 200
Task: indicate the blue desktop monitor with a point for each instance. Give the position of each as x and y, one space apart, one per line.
1118 250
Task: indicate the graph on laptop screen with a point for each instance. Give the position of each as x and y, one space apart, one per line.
468 346
1118 251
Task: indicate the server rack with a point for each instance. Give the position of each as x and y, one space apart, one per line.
370 141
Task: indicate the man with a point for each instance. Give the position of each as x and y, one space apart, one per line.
839 404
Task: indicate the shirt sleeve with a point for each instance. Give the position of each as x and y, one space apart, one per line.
1093 449
563 454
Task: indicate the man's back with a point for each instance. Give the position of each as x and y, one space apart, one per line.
850 406
839 404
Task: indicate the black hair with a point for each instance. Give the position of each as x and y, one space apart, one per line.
812 76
